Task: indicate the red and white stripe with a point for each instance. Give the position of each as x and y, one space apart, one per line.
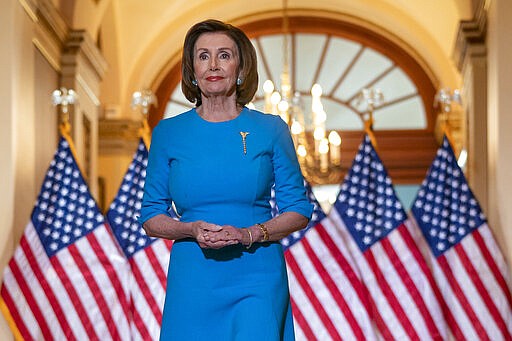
403 295
473 279
78 294
328 299
147 288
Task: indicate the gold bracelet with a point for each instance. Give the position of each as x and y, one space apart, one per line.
264 230
250 239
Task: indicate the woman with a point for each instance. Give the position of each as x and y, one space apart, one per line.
227 276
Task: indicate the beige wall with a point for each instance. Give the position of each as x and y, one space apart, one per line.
500 121
7 144
112 167
27 129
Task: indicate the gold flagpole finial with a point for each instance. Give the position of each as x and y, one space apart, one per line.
143 100
371 98
444 100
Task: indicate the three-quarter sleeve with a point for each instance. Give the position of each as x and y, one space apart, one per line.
156 199
289 183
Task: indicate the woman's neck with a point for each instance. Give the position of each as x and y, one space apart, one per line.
219 109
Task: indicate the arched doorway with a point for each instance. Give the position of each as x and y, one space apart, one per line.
344 57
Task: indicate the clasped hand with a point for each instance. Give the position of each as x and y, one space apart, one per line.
215 236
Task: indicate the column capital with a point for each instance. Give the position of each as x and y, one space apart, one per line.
471 37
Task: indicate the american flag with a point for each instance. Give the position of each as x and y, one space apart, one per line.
328 299
66 278
405 303
148 257
467 263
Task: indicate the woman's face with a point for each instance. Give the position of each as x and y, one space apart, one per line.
216 64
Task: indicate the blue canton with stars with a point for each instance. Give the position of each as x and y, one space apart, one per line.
367 201
65 210
125 209
445 208
317 216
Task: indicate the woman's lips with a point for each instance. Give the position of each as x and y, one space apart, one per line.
214 78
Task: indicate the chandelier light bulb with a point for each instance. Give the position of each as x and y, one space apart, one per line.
296 128
301 151
324 146
319 133
334 138
285 88
268 86
275 98
321 116
316 105
283 106
56 97
316 90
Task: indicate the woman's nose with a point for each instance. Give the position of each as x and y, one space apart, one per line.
213 64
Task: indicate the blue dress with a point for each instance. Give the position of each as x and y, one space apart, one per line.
231 293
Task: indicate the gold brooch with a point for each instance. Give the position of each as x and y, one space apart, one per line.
244 135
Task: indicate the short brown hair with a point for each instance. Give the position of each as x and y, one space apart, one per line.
247 67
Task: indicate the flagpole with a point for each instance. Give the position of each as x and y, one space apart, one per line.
372 98
368 128
66 97
145 132
10 321
444 98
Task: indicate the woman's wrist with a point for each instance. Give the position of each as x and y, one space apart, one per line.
248 238
265 236
256 233
192 229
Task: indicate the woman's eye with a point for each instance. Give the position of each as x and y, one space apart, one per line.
203 56
225 56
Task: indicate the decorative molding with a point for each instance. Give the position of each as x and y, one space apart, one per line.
50 29
470 33
118 136
80 43
82 69
49 16
88 90
30 7
470 57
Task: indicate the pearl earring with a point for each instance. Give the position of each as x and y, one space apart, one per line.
194 82
238 81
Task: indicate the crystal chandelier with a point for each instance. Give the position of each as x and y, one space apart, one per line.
64 97
318 150
143 100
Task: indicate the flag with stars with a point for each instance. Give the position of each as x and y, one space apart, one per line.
328 299
405 302
67 278
148 258
467 263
